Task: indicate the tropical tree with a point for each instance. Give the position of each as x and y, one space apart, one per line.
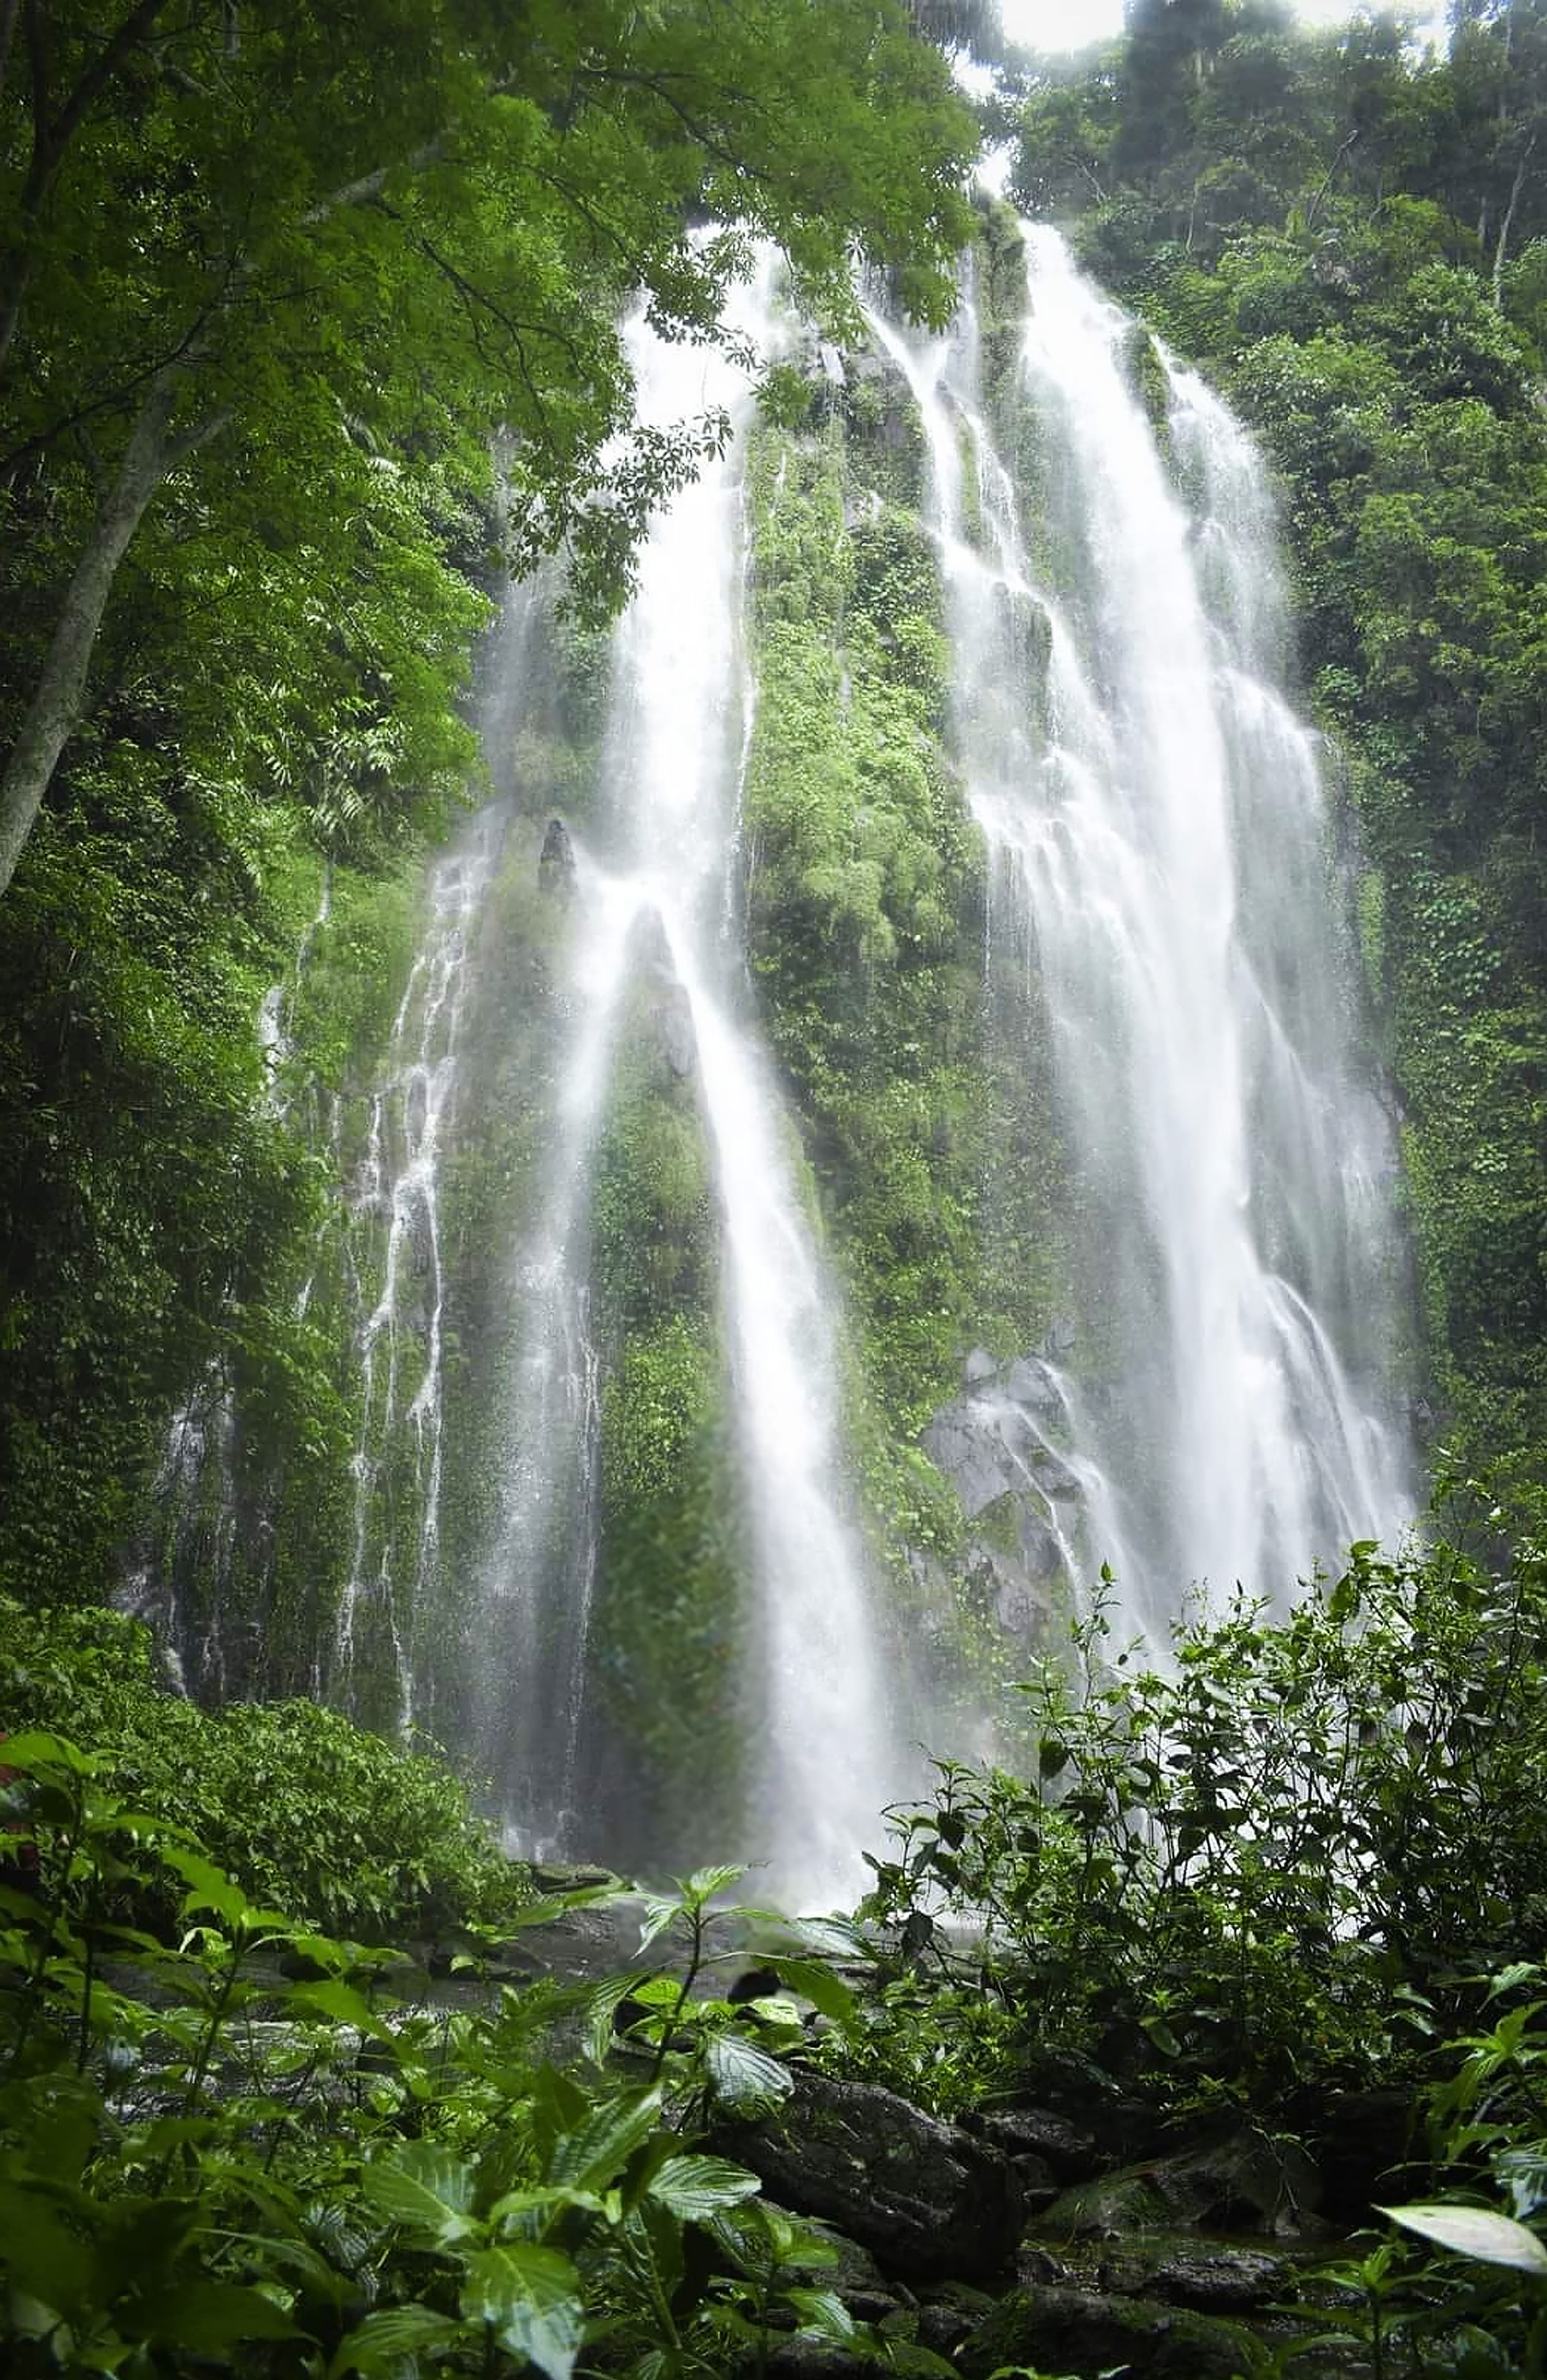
253 257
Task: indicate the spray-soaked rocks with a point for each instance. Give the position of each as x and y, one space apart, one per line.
926 2199
556 870
1002 1436
1000 1445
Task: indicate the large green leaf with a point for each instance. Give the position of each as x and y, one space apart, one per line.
745 2078
593 2155
425 2188
705 1882
35 1750
206 2316
823 2313
693 2187
828 1938
659 1912
209 1886
339 2003
557 1904
380 2343
599 2007
1474 2231
827 1992
525 2210
530 2298
46 2258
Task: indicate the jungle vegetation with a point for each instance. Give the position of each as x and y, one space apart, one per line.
246 532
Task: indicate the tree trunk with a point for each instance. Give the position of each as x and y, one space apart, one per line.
56 707
1516 189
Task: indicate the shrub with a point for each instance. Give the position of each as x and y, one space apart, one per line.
304 1808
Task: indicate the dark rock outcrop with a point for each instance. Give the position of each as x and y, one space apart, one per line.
1067 2150
1244 2183
928 2200
1079 2331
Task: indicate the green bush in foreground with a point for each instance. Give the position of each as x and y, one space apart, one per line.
261 2152
1277 1868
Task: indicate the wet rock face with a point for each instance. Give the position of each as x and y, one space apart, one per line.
1067 2152
1210 2275
556 861
997 1438
999 1445
926 2199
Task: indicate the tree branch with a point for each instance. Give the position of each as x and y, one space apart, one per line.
54 710
130 33
1312 209
369 187
711 145
1516 187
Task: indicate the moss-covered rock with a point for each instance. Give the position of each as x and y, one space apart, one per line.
927 2199
1078 2331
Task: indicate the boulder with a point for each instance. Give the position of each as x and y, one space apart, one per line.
1079 2331
1067 2153
1244 2183
1103 2118
949 2313
929 2201
1114 2207
1211 2276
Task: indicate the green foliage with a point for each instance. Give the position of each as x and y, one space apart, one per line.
667 1631
343 258
255 2147
1264 1875
302 1808
864 915
1478 2307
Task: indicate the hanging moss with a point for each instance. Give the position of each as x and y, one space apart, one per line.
924 1124
666 1649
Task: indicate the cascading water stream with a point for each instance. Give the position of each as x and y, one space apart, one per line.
195 1495
1157 835
397 1461
535 1594
674 757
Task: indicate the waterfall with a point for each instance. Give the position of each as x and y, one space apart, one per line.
655 896
397 1460
1170 1002
1163 885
